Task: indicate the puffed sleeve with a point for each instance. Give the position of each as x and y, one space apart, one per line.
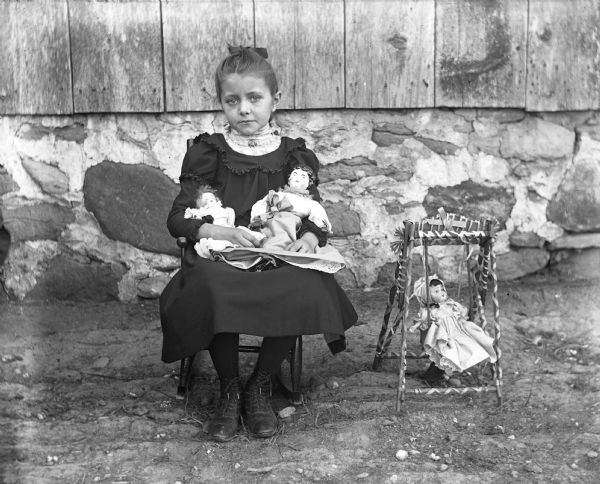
199 168
301 155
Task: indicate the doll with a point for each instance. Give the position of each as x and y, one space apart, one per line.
451 341
279 214
209 205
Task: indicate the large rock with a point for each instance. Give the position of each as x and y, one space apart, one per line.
576 205
576 241
533 139
519 263
471 200
41 221
51 180
66 279
131 204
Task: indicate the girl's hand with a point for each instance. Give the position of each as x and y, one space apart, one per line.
307 244
234 235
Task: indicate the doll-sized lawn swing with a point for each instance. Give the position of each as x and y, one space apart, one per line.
445 229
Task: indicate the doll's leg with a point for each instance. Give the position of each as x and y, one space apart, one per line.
260 418
223 350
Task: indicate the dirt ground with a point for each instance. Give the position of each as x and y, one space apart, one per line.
84 398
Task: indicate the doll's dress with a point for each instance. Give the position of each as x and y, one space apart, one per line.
452 342
282 212
221 216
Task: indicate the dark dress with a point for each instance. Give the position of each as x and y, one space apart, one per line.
207 297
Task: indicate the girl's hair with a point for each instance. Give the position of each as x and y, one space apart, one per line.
246 60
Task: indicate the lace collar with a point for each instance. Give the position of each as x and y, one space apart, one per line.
264 141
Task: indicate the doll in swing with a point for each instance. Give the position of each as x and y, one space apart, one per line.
452 342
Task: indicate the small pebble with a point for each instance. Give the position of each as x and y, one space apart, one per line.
287 412
443 467
362 475
434 456
401 454
592 454
332 384
237 465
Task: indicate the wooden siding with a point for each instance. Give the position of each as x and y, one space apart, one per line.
390 53
78 56
563 71
196 34
35 72
117 56
481 53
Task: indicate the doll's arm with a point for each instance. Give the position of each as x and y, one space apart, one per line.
318 216
230 216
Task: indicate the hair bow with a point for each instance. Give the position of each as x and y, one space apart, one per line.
237 49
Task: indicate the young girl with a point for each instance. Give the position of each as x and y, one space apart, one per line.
207 304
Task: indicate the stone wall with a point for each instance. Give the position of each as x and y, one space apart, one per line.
84 198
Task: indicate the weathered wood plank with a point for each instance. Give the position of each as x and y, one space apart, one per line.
390 53
320 54
196 34
563 69
275 24
35 77
306 39
116 55
480 53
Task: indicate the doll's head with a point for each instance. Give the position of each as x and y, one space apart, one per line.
300 178
247 89
437 290
207 198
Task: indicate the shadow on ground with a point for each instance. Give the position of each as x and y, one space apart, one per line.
85 398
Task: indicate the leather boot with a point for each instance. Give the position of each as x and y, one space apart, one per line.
260 417
224 424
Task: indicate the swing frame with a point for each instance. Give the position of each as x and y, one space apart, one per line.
445 229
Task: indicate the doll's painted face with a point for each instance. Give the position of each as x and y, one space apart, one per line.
208 200
437 294
298 180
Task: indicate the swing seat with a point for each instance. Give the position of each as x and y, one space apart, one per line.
445 229
289 374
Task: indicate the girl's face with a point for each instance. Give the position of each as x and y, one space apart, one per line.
299 179
247 102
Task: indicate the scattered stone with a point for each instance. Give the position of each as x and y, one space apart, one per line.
444 467
332 384
237 465
534 468
287 412
362 475
401 454
11 358
434 456
592 454
101 362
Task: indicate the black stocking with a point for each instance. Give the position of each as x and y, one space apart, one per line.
272 352
223 350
